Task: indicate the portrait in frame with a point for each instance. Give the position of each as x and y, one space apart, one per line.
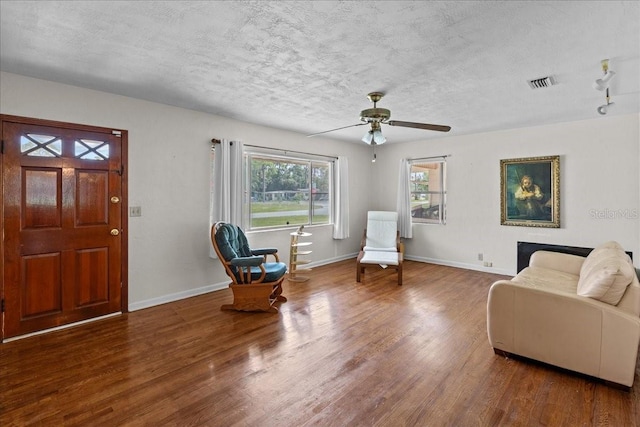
530 192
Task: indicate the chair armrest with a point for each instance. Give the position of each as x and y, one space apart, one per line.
249 261
264 251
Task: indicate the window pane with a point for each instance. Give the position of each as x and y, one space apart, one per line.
430 208
279 192
320 196
40 145
427 192
288 191
88 149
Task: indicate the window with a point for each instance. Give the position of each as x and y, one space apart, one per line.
428 191
286 191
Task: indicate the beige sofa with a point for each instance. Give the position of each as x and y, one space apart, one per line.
577 313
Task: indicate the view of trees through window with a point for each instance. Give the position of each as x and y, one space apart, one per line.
288 191
428 192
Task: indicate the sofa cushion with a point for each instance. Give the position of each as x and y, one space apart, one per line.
606 273
547 278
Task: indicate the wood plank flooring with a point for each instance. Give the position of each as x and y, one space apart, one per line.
339 353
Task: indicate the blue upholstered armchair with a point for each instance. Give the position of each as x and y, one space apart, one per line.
256 283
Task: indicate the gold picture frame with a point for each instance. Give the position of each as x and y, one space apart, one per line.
530 192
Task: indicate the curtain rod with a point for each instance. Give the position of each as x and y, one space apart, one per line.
217 141
432 157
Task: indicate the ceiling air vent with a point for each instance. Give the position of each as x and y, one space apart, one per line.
542 82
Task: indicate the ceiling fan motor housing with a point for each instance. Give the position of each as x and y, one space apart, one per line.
375 115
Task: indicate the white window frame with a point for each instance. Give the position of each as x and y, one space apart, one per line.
279 155
433 216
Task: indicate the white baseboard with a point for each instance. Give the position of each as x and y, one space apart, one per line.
460 265
422 259
177 296
332 260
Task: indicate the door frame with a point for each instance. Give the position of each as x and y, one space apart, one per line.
124 206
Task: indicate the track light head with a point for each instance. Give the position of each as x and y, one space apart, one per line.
603 83
604 108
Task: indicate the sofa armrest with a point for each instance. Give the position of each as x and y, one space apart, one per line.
558 261
565 330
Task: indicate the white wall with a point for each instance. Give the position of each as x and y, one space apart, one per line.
169 178
599 175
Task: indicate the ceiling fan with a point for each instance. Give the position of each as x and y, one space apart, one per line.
377 116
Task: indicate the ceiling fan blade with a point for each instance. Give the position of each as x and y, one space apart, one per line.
438 128
344 127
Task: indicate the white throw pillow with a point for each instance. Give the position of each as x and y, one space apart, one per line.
606 273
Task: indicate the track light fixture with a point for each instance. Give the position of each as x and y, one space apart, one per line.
603 83
604 108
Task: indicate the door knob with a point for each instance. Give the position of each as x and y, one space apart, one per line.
115 231
115 199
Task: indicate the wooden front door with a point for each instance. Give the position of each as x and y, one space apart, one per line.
63 223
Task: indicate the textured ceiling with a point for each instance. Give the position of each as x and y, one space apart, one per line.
308 66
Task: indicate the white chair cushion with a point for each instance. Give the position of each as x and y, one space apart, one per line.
389 249
382 229
377 257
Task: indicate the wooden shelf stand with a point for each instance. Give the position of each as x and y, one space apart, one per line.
295 252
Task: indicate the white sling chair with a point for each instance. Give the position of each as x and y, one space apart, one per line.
381 244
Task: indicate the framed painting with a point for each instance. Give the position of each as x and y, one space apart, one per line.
530 192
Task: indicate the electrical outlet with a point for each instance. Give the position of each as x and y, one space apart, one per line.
488 264
480 257
135 210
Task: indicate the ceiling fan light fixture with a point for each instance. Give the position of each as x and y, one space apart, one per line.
378 137
368 137
374 136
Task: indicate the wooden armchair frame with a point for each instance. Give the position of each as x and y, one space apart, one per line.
250 290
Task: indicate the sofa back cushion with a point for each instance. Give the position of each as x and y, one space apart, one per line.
606 273
630 301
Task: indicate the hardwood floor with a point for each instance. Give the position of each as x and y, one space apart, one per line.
338 354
